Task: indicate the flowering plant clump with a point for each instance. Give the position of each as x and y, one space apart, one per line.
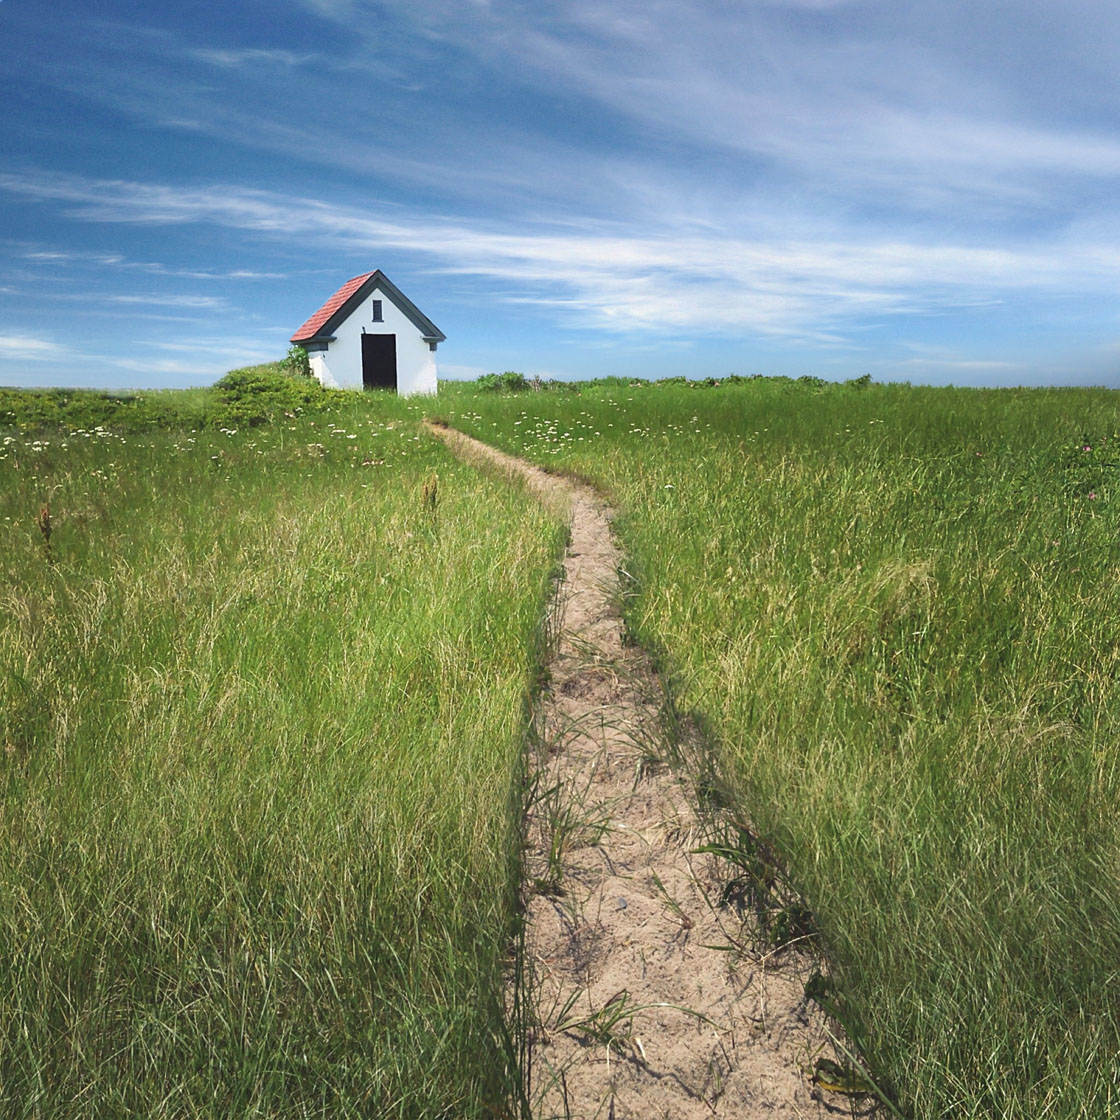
1090 465
298 362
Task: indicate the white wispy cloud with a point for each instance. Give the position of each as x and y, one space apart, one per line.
163 299
29 347
170 367
250 56
965 365
870 101
228 349
665 280
851 107
69 258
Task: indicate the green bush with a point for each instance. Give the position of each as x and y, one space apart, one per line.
262 394
508 382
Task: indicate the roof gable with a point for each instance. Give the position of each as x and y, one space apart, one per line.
337 309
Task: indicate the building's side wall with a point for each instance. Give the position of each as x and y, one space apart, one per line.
320 370
340 365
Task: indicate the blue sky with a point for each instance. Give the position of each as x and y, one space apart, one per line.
920 191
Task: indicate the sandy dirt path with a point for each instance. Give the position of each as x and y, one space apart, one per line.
651 1000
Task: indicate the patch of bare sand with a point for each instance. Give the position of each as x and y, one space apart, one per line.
649 1004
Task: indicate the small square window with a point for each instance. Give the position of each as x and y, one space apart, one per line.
377 311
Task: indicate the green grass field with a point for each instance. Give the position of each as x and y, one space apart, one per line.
263 704
897 612
262 708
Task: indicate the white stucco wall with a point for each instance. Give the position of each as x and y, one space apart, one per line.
340 365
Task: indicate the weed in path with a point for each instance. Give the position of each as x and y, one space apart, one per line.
564 823
671 904
612 1025
759 886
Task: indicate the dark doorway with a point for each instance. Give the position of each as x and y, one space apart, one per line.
379 361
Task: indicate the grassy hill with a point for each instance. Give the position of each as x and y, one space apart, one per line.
262 710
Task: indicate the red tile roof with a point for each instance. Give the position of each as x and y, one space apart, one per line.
315 323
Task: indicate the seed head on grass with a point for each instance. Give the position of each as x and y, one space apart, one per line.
430 497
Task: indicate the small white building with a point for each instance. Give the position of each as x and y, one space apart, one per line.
370 335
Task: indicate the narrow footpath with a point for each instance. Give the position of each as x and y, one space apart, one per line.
650 1000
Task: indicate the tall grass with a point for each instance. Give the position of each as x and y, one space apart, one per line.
898 611
260 724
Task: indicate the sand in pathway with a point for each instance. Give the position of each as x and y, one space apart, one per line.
650 1000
